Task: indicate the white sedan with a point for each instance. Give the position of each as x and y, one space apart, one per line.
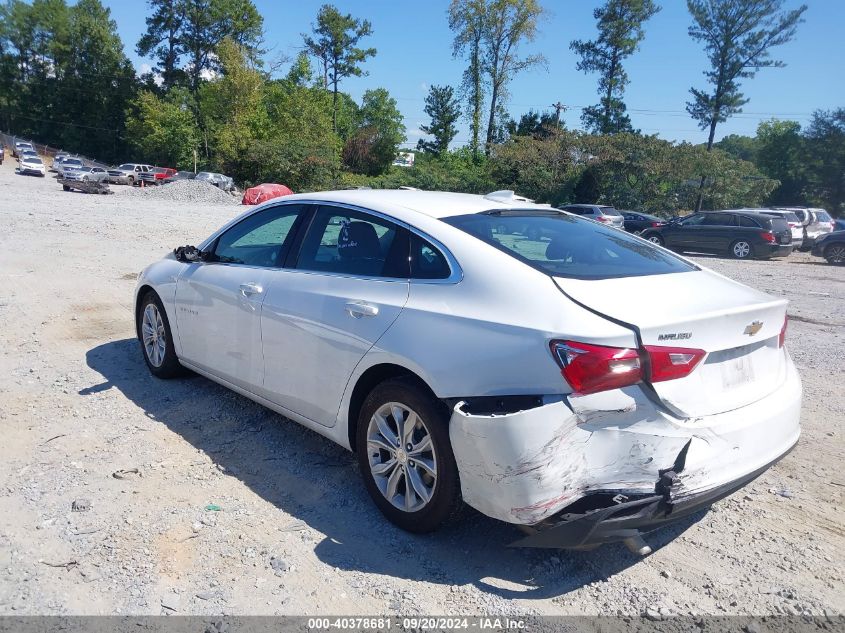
549 371
31 165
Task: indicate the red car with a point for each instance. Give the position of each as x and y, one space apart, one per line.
156 175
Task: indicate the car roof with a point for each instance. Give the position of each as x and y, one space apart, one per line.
403 204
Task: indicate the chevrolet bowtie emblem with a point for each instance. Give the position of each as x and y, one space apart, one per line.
752 328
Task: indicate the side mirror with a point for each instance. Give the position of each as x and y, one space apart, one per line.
190 254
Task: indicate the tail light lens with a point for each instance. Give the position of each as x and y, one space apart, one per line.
592 368
668 363
782 335
656 224
768 237
602 218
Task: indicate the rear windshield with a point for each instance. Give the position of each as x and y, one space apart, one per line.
822 216
569 246
786 215
609 211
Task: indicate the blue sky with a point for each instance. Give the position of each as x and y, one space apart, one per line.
414 51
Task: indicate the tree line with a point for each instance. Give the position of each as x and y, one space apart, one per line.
213 101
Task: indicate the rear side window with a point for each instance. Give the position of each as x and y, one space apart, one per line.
718 219
748 222
822 216
354 243
566 246
427 262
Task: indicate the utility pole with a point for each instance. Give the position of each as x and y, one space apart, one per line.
559 107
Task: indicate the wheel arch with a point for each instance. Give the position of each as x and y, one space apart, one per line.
139 297
366 382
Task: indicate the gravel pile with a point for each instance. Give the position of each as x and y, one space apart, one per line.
187 191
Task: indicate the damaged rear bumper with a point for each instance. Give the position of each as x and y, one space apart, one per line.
626 519
592 469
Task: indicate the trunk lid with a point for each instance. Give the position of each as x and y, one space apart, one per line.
736 325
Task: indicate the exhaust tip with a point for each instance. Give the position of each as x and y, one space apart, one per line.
636 545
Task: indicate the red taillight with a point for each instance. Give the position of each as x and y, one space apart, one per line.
602 218
656 224
782 335
592 368
669 363
768 237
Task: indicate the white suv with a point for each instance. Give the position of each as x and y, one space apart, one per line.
816 223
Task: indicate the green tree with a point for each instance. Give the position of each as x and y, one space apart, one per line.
206 23
163 130
620 27
744 147
163 38
335 45
442 107
466 20
373 147
825 155
780 156
507 25
535 124
738 36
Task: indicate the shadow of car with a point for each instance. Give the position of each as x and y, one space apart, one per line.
312 479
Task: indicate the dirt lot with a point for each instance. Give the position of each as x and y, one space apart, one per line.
296 532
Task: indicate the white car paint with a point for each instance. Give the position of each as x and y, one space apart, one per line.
292 345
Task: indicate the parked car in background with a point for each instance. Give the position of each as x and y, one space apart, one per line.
27 153
87 174
607 388
19 146
636 222
31 165
156 175
128 173
57 160
598 212
740 234
180 175
792 220
218 180
832 247
815 222
68 165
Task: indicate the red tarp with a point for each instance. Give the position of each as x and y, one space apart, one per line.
262 193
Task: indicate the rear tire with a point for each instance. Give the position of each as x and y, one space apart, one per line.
835 254
655 239
65 187
393 456
156 338
742 249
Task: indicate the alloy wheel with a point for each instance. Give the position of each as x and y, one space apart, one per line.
153 335
835 254
402 457
654 239
742 250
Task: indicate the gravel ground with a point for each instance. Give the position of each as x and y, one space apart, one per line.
183 192
124 494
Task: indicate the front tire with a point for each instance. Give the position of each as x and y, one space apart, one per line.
157 339
742 249
835 254
655 239
405 456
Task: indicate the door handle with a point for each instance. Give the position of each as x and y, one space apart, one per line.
250 289
358 309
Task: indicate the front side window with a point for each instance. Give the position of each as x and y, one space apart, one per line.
355 243
692 220
262 239
566 246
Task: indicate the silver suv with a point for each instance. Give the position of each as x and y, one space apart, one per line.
816 223
598 212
